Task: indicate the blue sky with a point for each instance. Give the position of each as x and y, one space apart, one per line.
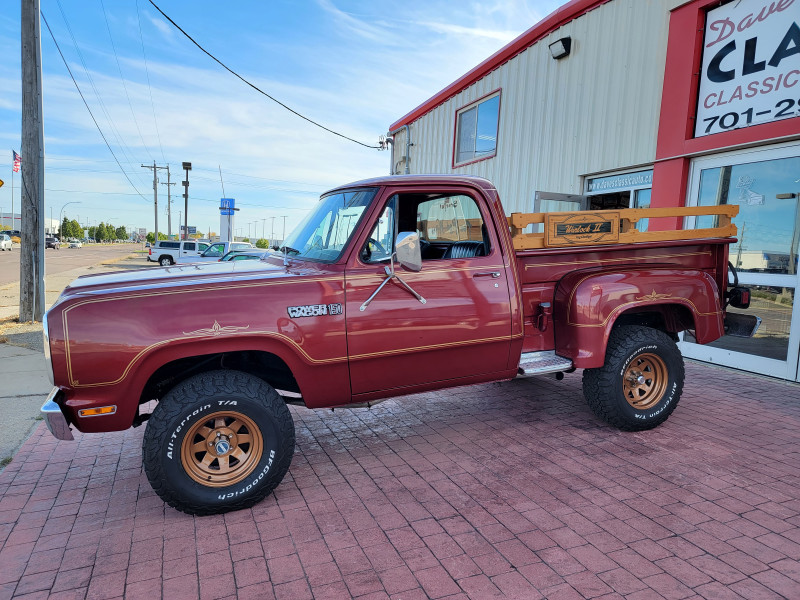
355 66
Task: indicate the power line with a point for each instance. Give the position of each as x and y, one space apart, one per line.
255 87
147 72
122 78
77 87
126 152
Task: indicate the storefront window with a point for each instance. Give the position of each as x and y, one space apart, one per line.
627 190
767 195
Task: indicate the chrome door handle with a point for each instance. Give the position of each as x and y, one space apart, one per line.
492 274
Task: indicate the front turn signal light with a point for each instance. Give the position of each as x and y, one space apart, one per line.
97 412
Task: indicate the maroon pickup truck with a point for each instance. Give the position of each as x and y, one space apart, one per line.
390 286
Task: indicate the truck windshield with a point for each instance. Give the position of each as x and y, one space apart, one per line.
326 230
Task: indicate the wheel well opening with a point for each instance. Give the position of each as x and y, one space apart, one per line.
669 318
268 367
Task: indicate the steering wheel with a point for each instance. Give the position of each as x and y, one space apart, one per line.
375 245
423 246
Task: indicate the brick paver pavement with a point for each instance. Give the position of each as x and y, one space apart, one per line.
510 489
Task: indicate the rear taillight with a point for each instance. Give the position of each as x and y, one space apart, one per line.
739 297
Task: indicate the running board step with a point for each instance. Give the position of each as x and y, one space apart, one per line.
538 363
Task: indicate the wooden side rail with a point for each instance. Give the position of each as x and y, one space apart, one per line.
583 228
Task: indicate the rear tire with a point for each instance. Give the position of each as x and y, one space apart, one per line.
217 442
165 261
641 381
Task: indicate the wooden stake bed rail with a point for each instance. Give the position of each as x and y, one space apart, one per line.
585 228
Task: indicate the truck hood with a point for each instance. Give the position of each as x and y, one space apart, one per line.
186 274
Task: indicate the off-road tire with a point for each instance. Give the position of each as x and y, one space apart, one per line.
241 406
641 381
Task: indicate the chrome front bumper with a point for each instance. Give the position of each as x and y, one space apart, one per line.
54 418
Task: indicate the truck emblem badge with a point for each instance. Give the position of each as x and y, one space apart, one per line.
314 310
582 228
216 329
654 296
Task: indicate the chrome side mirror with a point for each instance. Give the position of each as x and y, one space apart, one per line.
409 253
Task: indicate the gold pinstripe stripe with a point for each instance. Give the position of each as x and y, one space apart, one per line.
608 260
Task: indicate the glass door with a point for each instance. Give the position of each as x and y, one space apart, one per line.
765 183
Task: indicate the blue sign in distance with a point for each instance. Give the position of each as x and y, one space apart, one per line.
226 206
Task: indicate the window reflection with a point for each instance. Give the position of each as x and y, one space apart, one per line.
766 193
774 306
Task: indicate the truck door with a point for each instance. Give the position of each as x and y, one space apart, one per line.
462 330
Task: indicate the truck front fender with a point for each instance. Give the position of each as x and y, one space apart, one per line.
320 380
588 304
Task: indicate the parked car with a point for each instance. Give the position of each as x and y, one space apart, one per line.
246 254
216 251
168 252
51 242
5 242
75 244
13 234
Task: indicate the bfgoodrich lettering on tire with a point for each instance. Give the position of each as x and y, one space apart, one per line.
641 382
217 442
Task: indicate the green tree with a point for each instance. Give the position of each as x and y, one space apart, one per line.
64 231
121 233
262 243
75 229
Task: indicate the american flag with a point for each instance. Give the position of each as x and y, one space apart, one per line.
17 160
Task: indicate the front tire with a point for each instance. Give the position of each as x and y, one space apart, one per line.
641 381
217 442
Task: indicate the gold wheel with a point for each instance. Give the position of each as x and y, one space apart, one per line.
645 381
222 449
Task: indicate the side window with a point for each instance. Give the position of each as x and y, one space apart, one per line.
380 244
476 130
215 250
189 246
451 227
201 246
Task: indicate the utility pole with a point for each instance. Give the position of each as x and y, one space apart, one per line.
283 239
272 233
169 205
264 229
31 264
155 194
187 166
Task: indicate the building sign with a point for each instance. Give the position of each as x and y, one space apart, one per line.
192 229
226 206
751 65
619 183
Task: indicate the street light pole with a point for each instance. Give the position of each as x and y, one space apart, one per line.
60 220
283 239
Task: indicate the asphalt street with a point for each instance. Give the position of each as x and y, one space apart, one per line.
64 259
